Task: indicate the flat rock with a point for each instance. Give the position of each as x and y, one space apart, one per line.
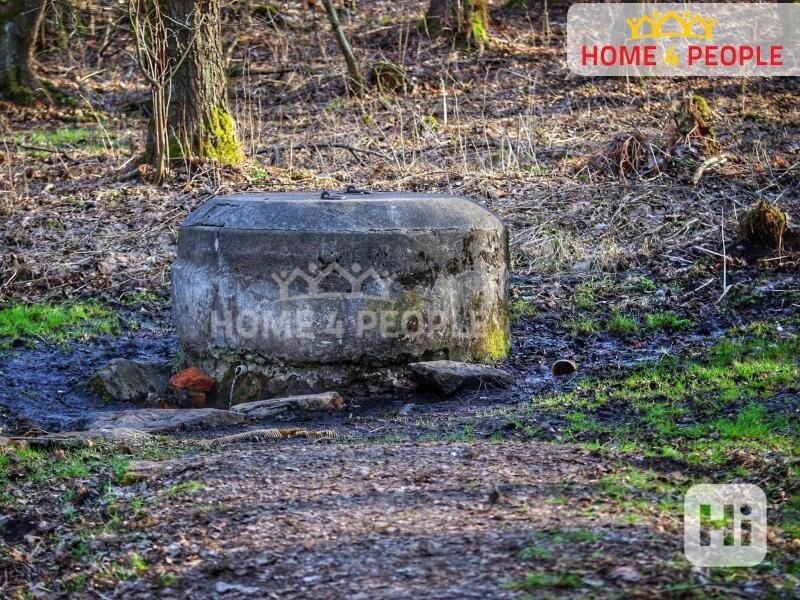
131 380
123 435
446 377
157 420
308 402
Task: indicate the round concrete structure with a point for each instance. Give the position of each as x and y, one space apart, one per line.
313 290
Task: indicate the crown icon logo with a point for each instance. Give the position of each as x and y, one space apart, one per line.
356 283
671 24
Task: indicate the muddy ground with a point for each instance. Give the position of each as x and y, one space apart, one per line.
554 487
477 496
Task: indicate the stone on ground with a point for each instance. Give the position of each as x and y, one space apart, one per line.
131 380
446 377
157 420
407 410
121 435
274 406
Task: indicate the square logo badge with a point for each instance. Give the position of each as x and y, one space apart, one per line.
725 525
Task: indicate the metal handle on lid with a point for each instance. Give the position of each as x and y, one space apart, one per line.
351 189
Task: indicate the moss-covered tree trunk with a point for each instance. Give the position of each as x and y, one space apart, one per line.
19 27
466 21
200 123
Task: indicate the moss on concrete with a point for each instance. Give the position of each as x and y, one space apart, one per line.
494 346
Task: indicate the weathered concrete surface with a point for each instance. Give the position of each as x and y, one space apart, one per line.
446 377
288 283
158 420
130 380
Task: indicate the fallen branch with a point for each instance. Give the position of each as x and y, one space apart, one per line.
239 70
725 287
709 163
40 149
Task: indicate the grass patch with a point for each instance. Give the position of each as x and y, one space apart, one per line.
643 284
667 320
93 140
702 409
581 327
620 324
167 580
586 295
47 467
33 465
185 487
521 309
534 553
55 323
142 297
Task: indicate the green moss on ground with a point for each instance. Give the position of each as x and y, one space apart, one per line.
701 409
24 464
55 323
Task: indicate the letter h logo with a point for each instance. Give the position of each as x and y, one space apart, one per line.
725 525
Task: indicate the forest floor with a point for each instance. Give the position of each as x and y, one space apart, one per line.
687 346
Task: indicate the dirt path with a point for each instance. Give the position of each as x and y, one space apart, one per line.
436 520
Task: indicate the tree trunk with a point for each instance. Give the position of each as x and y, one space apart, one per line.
199 119
19 26
465 21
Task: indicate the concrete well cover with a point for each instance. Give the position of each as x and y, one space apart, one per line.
326 280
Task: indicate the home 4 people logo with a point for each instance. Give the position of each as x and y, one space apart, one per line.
669 25
669 39
333 281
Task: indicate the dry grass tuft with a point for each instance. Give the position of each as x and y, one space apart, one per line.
629 153
387 76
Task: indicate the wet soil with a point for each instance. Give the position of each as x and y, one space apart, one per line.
44 385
